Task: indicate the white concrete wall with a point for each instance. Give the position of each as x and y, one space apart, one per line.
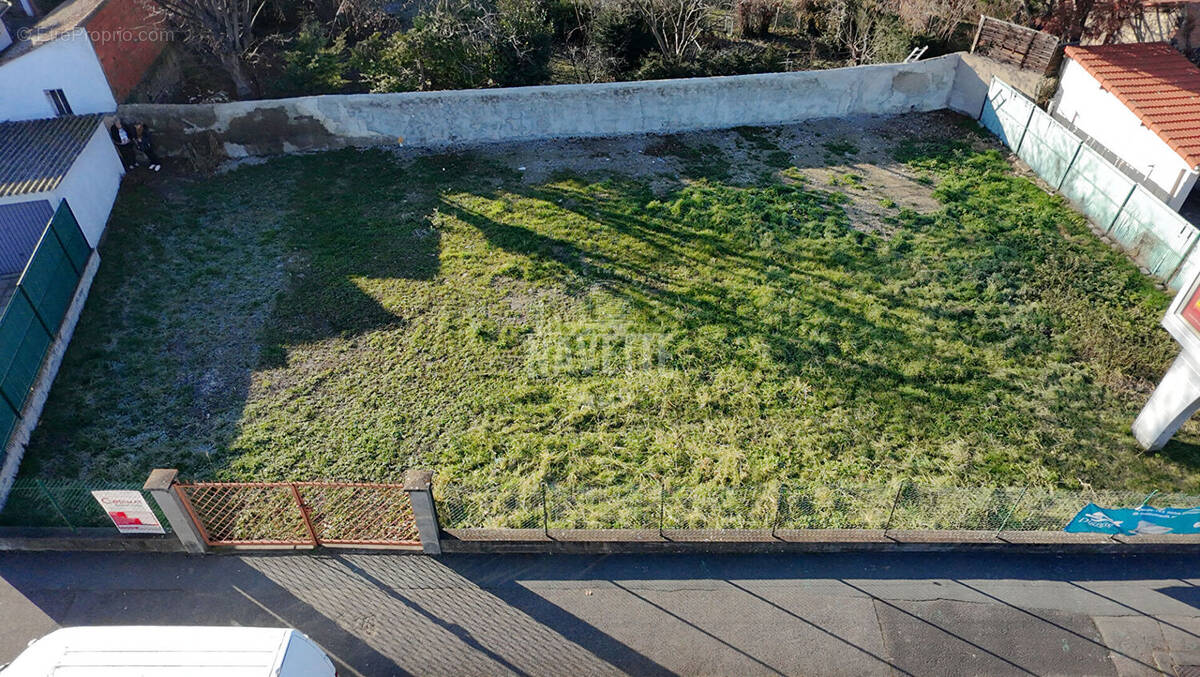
90 187
433 119
1096 112
68 63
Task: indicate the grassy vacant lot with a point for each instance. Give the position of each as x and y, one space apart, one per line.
724 308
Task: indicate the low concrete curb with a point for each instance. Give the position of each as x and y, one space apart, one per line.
483 541
101 539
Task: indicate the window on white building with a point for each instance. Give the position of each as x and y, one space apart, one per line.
59 101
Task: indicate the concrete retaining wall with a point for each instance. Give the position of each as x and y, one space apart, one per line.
434 119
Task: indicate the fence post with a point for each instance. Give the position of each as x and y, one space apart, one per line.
1012 511
895 502
419 485
778 510
1182 260
161 485
662 506
1120 209
1069 166
304 514
57 508
545 513
1025 132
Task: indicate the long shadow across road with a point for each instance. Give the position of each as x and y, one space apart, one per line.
853 614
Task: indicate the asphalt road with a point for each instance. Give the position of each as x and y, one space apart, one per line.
383 614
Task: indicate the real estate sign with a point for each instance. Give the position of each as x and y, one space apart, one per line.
129 511
1177 396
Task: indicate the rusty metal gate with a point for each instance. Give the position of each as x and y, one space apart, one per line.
300 513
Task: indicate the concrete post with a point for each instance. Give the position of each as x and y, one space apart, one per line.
161 484
419 485
1174 401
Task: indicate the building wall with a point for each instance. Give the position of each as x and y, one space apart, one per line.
127 36
974 75
68 63
1096 112
90 187
430 119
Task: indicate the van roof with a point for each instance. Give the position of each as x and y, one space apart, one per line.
131 651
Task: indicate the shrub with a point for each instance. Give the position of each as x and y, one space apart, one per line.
462 44
754 17
313 64
740 59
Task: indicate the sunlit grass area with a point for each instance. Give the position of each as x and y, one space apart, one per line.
350 315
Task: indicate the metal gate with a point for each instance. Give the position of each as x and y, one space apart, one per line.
300 513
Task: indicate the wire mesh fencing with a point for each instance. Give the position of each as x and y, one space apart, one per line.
300 513
673 510
56 503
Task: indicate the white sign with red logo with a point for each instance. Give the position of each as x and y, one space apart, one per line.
129 511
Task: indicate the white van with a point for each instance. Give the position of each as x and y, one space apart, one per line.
163 651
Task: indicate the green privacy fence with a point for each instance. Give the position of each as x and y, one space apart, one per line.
36 310
1147 229
56 503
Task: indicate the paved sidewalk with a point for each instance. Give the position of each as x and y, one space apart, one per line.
386 614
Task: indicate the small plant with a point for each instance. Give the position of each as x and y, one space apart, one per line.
848 179
841 147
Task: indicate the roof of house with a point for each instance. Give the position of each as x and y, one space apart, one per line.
1156 83
21 226
35 155
63 20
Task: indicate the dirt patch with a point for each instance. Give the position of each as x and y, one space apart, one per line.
854 156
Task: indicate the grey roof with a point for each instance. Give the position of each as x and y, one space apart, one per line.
35 155
21 226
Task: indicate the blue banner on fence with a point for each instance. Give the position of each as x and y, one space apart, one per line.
1141 520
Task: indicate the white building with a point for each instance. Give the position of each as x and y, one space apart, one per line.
70 157
54 70
1140 102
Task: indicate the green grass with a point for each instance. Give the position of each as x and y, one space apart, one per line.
841 147
347 315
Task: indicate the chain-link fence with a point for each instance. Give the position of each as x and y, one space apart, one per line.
56 503
666 507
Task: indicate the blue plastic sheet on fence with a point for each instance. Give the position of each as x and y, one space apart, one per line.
1006 113
1048 147
1142 520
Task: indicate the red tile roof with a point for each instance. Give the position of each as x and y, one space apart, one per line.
1154 81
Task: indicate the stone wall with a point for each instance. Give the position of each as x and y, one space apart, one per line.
208 132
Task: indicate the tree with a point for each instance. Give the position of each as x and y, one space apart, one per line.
459 44
222 28
1089 20
675 24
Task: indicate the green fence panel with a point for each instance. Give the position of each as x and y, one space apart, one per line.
8 420
62 503
1156 235
66 228
23 344
1048 147
50 280
1096 187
